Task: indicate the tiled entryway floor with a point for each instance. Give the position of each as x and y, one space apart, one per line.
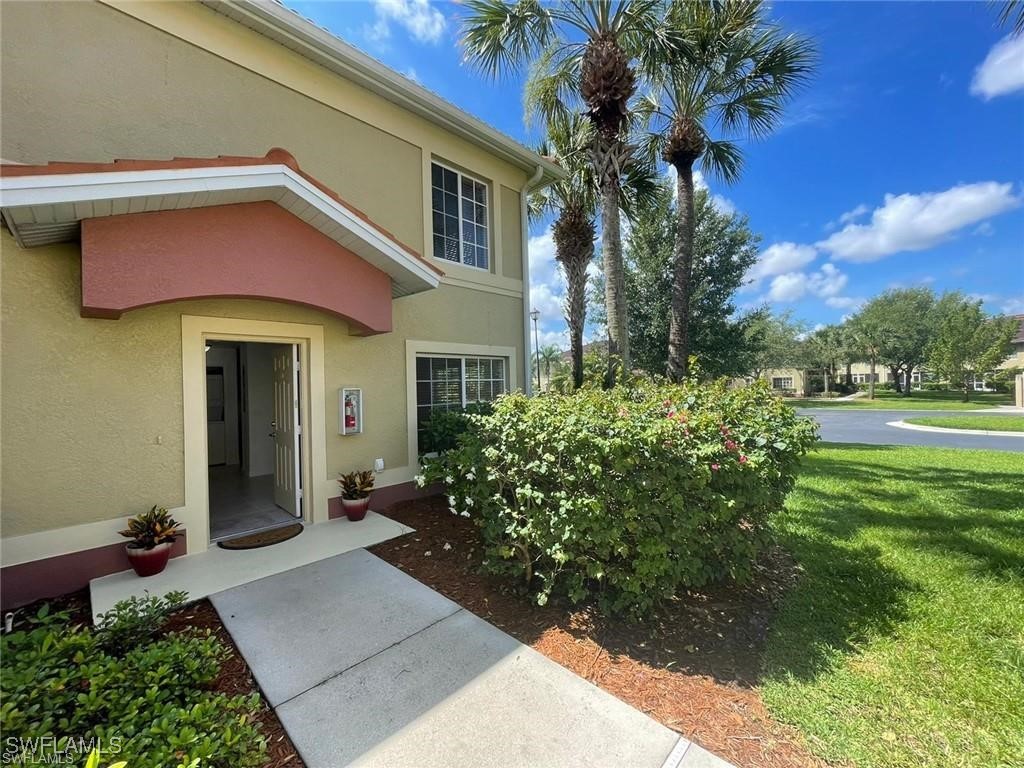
218 569
240 504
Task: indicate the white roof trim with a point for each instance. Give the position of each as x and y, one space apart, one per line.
46 208
288 28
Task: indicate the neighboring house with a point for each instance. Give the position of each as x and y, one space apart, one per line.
803 381
1016 358
223 332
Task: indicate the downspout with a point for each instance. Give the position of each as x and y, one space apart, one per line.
524 222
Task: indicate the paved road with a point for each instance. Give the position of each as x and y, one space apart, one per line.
869 426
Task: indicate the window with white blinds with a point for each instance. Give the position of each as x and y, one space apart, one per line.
451 383
460 220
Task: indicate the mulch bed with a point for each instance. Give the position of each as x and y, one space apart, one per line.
693 667
234 678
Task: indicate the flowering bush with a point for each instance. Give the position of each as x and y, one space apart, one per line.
625 495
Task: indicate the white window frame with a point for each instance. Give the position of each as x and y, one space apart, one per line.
414 349
462 367
462 234
782 379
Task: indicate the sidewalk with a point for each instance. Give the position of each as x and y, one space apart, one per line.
365 665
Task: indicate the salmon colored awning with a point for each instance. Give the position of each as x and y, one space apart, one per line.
166 230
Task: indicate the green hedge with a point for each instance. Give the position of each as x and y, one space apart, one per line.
625 495
64 691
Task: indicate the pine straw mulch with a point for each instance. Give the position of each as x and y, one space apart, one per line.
234 678
694 667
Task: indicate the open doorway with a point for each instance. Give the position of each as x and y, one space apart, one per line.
252 432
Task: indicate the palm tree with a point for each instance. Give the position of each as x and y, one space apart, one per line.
573 200
733 77
586 51
550 355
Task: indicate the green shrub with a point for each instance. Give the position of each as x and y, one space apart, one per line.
135 620
625 495
150 706
441 431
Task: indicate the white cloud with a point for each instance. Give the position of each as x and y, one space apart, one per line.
985 228
851 216
914 222
827 282
412 74
844 302
788 287
1013 306
778 259
1002 71
418 17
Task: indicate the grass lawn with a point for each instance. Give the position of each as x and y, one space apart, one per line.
903 642
930 401
994 422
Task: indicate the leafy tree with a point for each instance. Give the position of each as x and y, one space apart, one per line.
967 342
904 325
725 249
582 52
735 74
775 341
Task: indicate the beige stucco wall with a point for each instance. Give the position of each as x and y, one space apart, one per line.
92 409
92 422
197 84
512 237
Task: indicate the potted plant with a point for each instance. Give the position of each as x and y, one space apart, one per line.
355 493
152 535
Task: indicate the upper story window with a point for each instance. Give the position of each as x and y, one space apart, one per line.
459 205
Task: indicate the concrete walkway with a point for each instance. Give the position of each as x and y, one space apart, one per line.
366 666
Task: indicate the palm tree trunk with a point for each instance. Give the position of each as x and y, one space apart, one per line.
871 379
574 250
614 278
682 272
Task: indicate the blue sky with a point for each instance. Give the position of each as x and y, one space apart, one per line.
901 164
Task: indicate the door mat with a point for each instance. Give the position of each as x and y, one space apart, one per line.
263 538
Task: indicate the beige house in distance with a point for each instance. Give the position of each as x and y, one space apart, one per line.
261 259
798 381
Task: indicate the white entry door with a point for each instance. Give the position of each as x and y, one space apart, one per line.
287 430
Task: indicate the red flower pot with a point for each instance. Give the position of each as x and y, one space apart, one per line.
149 562
355 509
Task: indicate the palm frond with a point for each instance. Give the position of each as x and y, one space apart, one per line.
734 76
499 36
1012 12
552 84
723 160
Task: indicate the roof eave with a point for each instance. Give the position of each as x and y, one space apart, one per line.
271 18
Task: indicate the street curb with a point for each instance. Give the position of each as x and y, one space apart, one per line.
947 431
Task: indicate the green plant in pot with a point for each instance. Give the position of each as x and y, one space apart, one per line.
355 493
152 535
